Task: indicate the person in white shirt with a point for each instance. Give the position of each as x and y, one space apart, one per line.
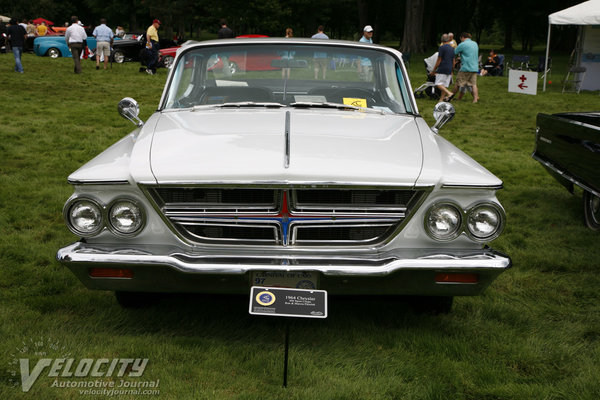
75 36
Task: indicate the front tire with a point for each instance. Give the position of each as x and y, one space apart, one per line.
168 61
591 210
53 52
119 57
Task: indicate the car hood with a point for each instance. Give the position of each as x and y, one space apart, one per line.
249 146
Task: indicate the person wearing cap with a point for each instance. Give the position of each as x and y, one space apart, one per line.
365 68
367 36
152 46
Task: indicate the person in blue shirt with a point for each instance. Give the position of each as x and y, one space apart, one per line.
468 50
104 38
365 70
320 58
367 36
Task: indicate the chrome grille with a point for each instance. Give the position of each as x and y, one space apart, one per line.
284 216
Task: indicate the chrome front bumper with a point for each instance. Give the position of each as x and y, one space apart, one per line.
168 269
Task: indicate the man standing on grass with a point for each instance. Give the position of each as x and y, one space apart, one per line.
75 36
104 38
365 68
152 46
320 58
468 51
17 37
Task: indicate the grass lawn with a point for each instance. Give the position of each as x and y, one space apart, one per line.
534 334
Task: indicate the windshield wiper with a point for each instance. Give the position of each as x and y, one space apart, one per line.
239 105
338 106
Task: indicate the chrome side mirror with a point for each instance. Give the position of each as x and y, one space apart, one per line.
129 109
442 112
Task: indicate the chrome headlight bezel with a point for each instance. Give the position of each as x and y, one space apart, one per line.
494 207
104 212
67 213
135 205
465 215
459 225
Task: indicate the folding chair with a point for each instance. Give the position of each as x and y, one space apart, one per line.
501 64
540 66
523 62
575 78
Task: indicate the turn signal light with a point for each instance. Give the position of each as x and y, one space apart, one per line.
111 273
457 278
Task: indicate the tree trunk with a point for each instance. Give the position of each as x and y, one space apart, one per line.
363 14
413 23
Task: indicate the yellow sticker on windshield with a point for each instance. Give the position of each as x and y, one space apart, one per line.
350 101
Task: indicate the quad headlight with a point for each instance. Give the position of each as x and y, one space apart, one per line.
87 217
482 222
84 217
443 221
485 222
125 217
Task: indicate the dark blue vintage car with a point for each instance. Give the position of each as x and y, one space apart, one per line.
568 146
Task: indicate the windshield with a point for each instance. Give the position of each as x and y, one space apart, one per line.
289 75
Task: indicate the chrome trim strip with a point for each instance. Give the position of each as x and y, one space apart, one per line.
286 162
565 174
464 186
76 182
291 184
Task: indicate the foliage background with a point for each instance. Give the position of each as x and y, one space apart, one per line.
522 22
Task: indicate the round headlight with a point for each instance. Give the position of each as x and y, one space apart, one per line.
443 221
85 217
485 221
125 217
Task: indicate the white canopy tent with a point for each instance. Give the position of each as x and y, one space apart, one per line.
4 18
586 13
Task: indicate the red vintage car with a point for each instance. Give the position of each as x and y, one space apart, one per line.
237 62
166 56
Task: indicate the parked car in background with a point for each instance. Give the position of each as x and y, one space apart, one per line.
167 56
280 177
568 146
130 48
56 46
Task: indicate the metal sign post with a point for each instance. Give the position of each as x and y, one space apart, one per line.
284 302
286 353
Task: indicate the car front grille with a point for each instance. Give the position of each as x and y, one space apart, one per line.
284 216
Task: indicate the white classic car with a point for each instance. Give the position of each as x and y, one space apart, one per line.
308 165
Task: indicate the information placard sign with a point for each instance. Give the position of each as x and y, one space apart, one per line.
522 81
284 302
